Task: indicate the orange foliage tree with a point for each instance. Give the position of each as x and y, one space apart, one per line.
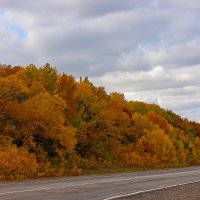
54 125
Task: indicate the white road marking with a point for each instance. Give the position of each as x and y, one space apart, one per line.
99 182
150 190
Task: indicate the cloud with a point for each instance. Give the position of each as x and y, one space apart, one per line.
64 29
147 49
177 89
156 78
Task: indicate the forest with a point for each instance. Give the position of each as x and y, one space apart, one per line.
53 125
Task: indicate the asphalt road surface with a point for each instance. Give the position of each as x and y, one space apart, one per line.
102 187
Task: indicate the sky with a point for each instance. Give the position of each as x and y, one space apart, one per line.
147 49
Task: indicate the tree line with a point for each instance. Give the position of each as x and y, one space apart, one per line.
53 125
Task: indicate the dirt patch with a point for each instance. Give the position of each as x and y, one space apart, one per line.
185 192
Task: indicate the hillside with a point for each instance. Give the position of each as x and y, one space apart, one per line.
52 125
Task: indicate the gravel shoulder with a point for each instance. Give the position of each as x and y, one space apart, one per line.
185 192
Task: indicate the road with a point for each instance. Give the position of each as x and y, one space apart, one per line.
100 187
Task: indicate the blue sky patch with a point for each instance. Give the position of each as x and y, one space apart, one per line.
18 31
1 13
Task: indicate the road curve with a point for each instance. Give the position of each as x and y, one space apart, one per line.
96 187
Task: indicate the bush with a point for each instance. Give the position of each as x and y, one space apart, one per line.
17 163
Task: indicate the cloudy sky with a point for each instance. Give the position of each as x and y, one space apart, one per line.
147 49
